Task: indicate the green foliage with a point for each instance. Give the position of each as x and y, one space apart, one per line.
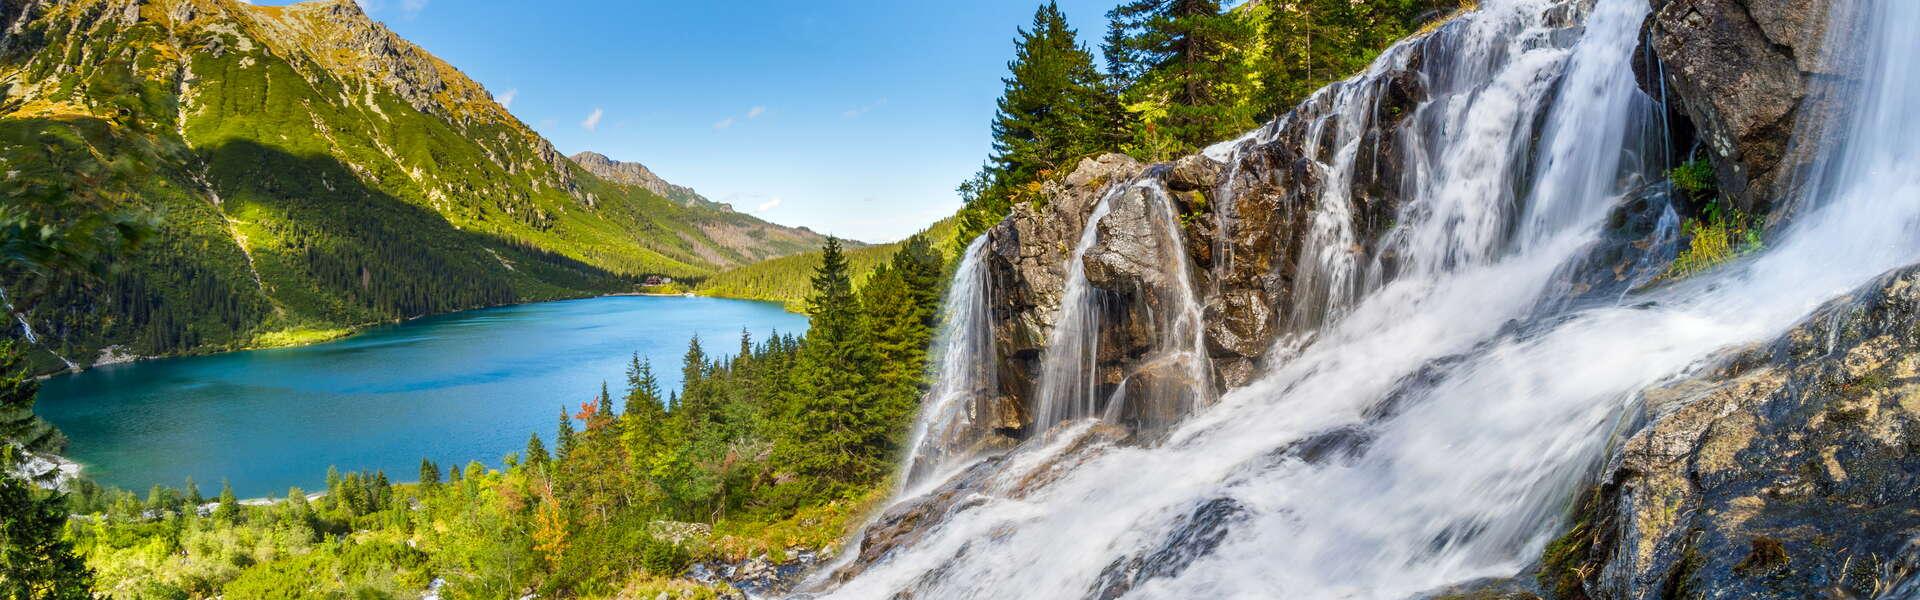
282 210
1185 71
1311 43
1718 235
1696 178
36 563
789 279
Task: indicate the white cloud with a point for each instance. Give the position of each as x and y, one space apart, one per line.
855 113
755 112
724 123
412 6
506 99
593 120
768 205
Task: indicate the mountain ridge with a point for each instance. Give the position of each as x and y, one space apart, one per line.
316 172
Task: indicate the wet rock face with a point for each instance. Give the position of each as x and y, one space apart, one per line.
1242 225
1790 472
1741 70
1026 266
1193 537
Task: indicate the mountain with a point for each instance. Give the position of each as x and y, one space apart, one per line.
311 171
743 235
632 173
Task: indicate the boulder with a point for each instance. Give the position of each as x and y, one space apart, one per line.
1790 471
1741 71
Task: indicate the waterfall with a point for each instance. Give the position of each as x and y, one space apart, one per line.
26 329
947 429
1435 426
1068 386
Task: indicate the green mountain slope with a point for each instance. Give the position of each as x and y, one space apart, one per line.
311 172
788 279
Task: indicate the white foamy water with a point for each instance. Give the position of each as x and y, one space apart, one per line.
1443 413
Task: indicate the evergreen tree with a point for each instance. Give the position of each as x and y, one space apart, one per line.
194 499
564 437
429 474
902 302
18 424
605 401
229 509
1055 109
536 451
1056 106
1186 69
36 561
827 429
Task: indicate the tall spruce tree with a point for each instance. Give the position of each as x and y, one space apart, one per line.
827 430
902 302
1056 108
36 561
1186 69
564 441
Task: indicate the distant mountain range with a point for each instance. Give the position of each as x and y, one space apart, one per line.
313 172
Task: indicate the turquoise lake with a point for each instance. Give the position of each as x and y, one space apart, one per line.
452 388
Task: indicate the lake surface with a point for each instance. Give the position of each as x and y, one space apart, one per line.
453 388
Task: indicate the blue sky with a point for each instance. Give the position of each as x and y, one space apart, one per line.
855 118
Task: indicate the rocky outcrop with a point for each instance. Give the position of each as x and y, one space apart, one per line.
1787 472
1242 218
636 174
1743 71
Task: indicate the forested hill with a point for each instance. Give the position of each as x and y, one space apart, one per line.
789 279
301 170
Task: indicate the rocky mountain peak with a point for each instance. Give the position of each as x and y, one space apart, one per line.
636 174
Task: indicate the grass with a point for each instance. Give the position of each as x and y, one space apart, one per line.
299 336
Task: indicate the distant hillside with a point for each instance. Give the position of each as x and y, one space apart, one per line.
789 279
742 234
312 172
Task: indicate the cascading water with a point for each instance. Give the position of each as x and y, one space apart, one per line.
1068 385
947 429
26 329
1172 375
1433 431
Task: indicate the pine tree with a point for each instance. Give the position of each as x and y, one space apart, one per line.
563 438
229 509
605 400
902 302
429 474
1185 68
1311 43
1056 106
194 499
826 429
1055 109
36 561
536 452
644 417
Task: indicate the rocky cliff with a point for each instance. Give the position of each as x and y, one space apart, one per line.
1786 470
636 174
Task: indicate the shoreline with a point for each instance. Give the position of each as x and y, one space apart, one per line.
115 354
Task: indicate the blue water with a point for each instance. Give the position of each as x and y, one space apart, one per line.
453 388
